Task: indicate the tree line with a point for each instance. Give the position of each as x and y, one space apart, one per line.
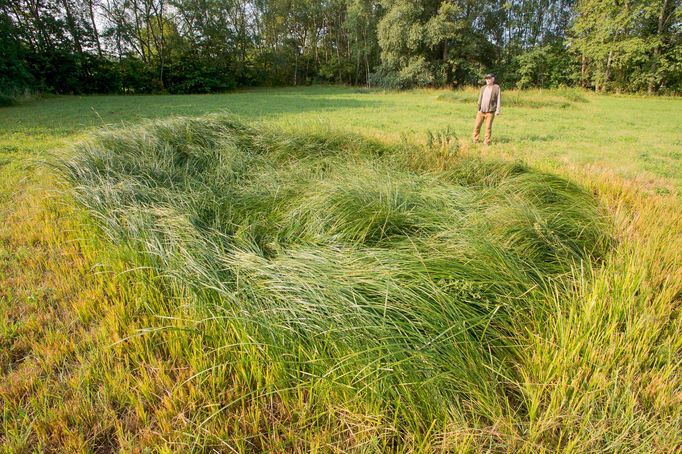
200 46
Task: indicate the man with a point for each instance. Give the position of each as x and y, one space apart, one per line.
489 103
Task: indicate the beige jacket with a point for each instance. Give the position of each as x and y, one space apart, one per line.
495 100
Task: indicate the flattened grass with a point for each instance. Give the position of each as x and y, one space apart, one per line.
98 354
345 262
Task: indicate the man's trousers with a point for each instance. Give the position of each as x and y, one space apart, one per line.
488 117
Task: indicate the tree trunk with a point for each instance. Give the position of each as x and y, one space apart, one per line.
162 43
607 73
357 60
657 49
95 33
296 68
144 49
45 43
448 67
73 28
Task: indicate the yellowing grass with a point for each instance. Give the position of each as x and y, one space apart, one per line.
94 358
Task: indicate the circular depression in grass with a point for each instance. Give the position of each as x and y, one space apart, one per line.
395 272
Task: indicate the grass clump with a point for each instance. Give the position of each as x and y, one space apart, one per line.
354 267
573 94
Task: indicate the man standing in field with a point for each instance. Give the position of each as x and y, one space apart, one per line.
489 103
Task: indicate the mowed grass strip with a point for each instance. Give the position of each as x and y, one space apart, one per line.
346 262
563 98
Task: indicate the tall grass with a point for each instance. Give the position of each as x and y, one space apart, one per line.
98 354
350 265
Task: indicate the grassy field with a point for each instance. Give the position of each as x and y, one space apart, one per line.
334 270
639 138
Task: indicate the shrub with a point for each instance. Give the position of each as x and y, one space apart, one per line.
385 78
6 101
417 74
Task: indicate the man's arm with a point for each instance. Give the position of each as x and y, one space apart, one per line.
480 97
499 101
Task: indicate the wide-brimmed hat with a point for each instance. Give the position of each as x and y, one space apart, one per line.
489 76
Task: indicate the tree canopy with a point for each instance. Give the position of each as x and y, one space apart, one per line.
199 46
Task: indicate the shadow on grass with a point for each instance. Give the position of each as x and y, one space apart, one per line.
65 115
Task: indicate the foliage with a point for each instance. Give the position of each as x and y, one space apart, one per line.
6 101
14 74
545 66
636 51
191 46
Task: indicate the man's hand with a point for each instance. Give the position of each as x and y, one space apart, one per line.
497 113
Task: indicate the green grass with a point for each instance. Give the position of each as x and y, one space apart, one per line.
410 280
635 137
532 99
566 269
